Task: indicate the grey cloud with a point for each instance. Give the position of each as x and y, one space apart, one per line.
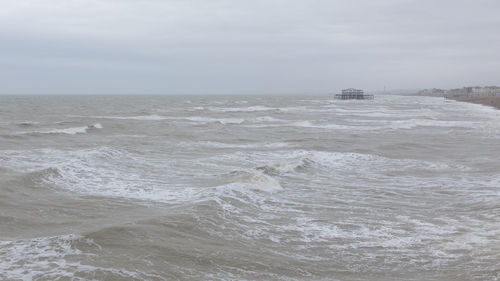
225 46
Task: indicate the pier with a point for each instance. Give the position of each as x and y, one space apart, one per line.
353 94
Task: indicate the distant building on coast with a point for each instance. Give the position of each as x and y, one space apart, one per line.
432 92
353 94
476 91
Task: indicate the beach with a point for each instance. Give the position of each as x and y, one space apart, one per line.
493 101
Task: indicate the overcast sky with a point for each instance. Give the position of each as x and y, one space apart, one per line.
245 46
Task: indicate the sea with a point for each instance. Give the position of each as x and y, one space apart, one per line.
300 187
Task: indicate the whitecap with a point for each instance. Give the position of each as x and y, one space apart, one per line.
244 181
152 117
52 258
290 164
96 126
242 109
35 258
223 121
234 145
268 119
309 124
98 172
27 123
68 131
412 123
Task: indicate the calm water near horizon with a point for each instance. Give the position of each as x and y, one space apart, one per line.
248 188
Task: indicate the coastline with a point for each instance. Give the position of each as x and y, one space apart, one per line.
493 101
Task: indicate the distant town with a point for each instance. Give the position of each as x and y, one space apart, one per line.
489 95
489 91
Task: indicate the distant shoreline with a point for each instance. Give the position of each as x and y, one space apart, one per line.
489 101
488 95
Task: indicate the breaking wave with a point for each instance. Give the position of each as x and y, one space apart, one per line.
412 123
153 117
27 123
223 121
53 258
68 131
242 109
32 259
244 181
235 145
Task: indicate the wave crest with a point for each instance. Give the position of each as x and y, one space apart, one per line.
252 180
67 131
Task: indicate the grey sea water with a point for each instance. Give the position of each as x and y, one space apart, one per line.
248 188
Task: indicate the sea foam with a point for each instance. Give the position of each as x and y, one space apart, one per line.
67 131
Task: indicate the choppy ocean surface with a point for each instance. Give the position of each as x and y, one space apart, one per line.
248 188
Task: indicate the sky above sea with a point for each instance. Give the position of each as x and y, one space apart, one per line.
245 47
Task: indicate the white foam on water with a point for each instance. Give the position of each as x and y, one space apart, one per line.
233 145
242 109
394 172
441 242
291 163
268 119
388 114
152 117
51 258
316 101
259 108
36 258
252 180
366 121
370 125
476 108
198 119
354 167
102 172
309 124
321 205
341 168
297 109
196 108
27 123
223 121
412 123
68 131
